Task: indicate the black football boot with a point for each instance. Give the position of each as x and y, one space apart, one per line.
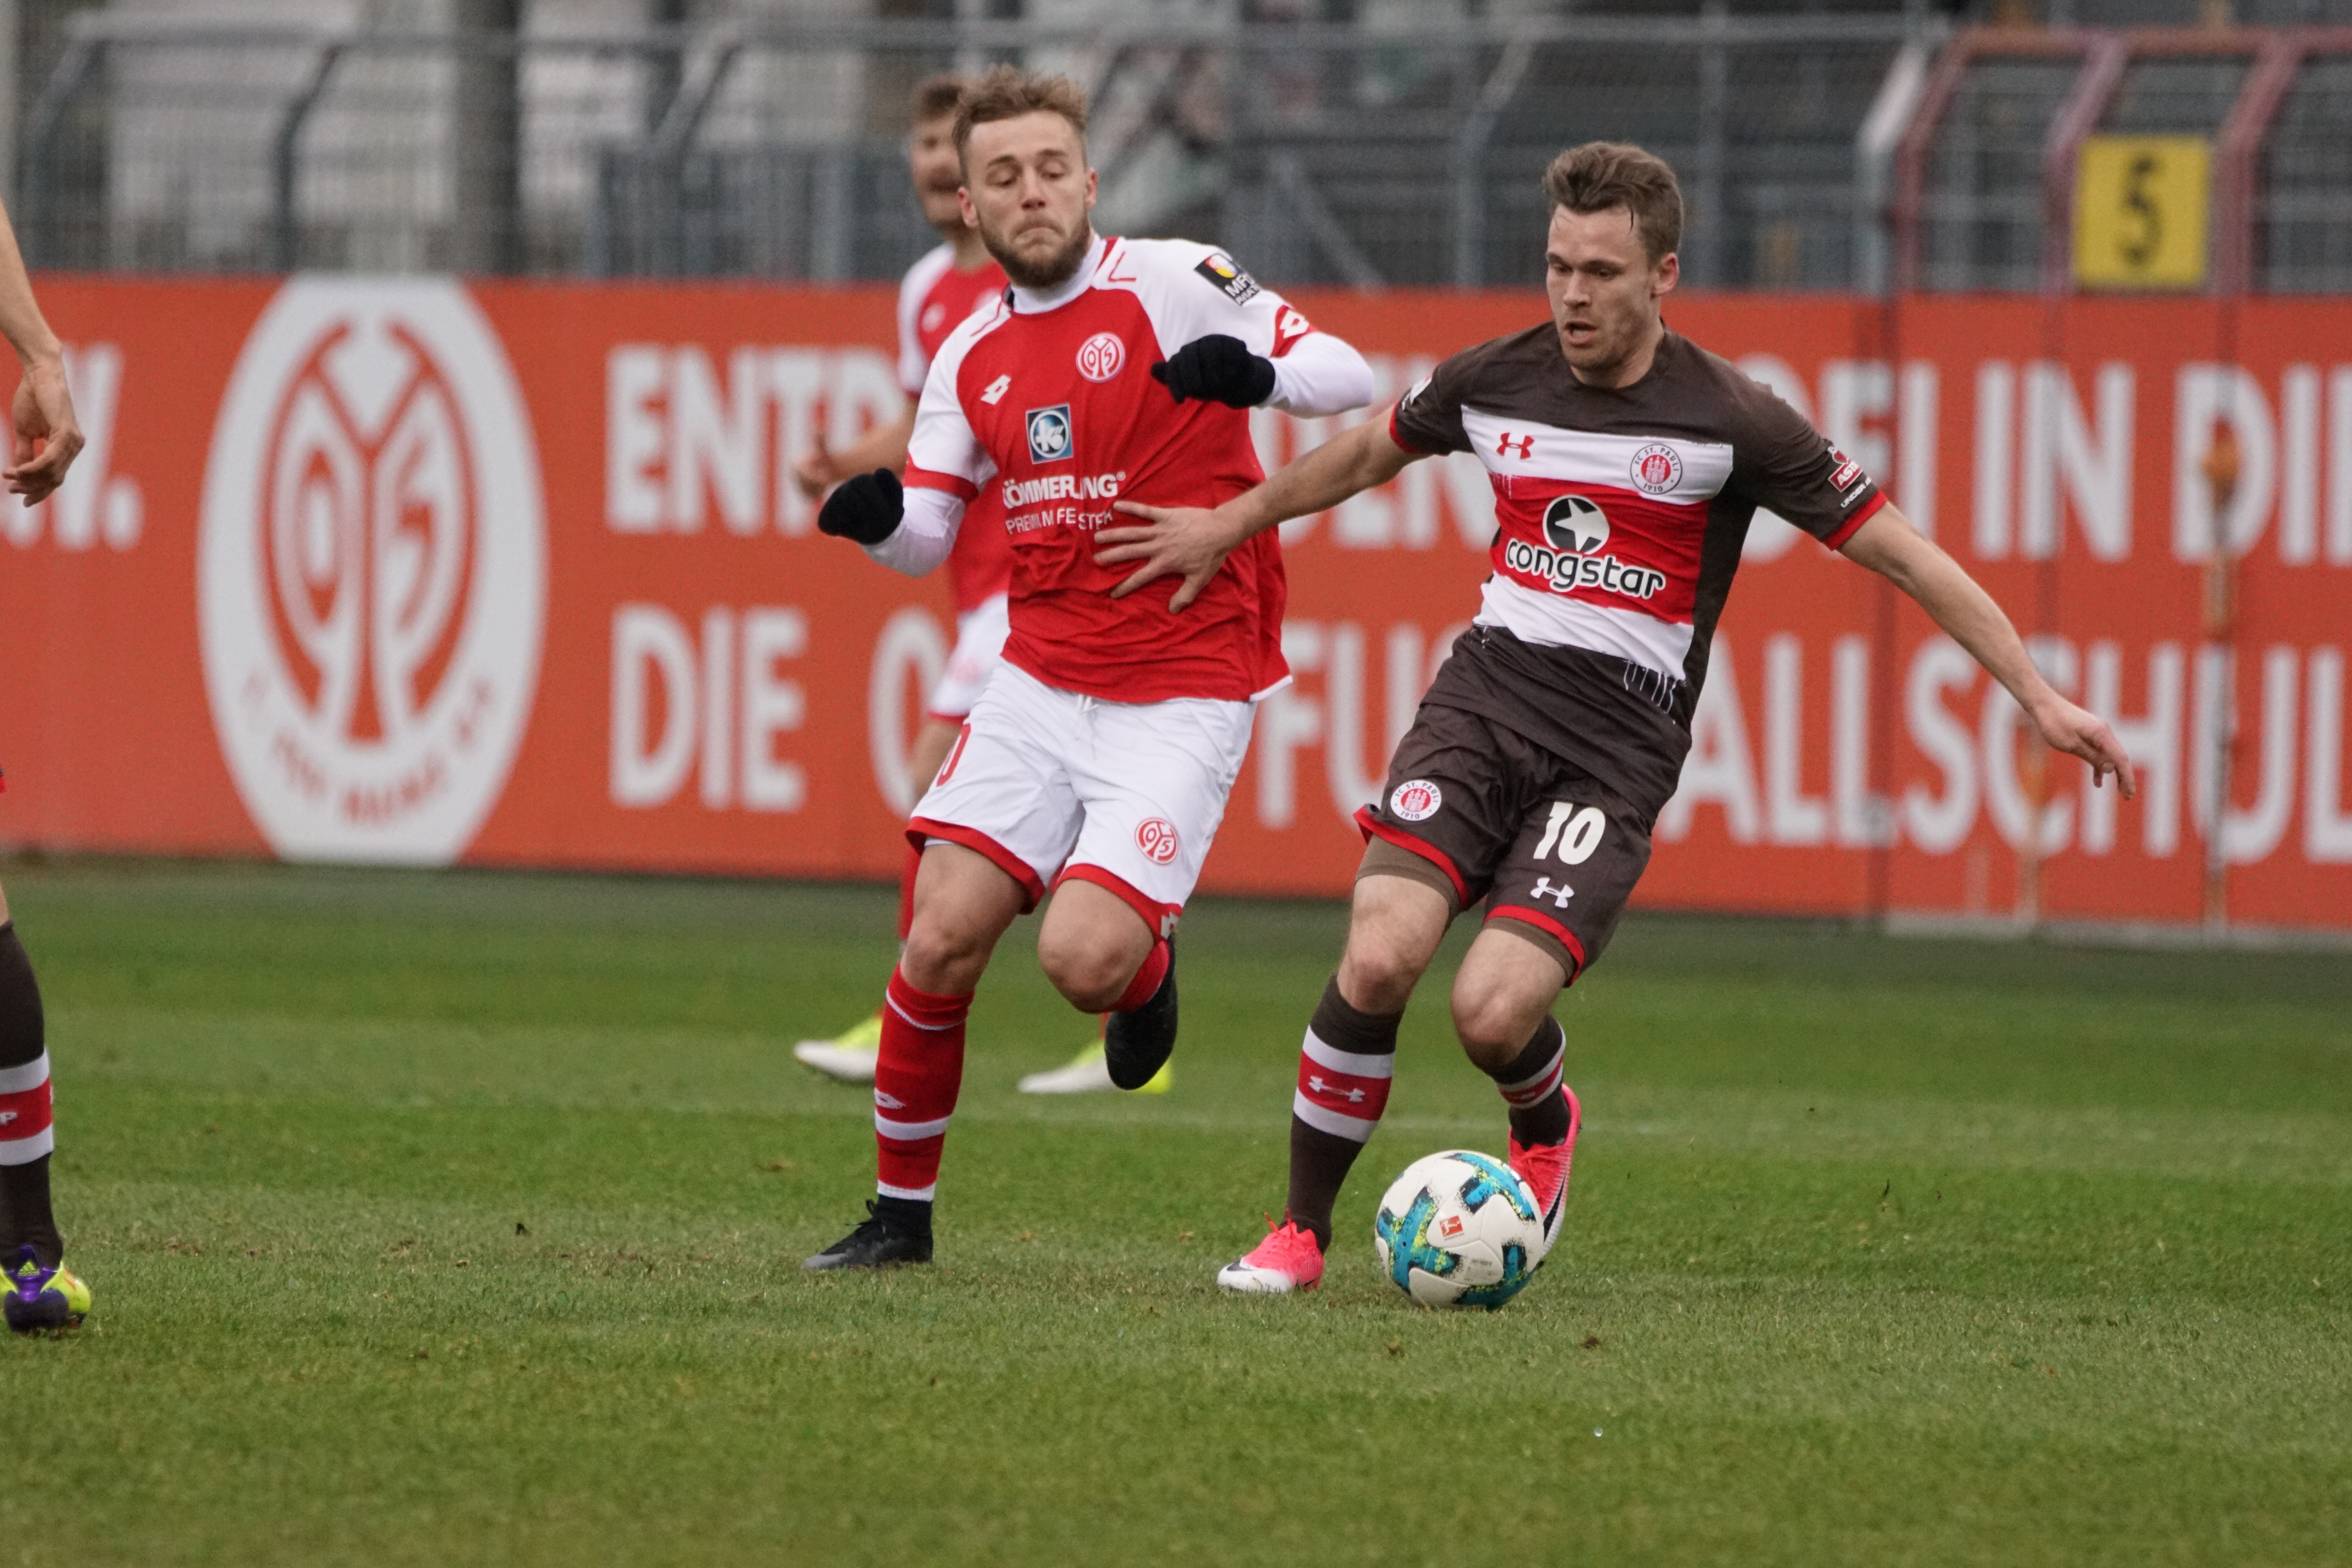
888 1235
1136 1045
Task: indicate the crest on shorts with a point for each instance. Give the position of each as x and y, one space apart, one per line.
1229 281
1049 434
1416 800
1656 469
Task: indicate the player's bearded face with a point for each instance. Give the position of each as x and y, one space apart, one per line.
1605 291
938 172
1028 186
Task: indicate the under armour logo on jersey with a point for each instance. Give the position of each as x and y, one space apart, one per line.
1512 446
996 390
1352 1095
1558 896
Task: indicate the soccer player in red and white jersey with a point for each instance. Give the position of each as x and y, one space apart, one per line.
1626 464
40 1292
1098 761
953 278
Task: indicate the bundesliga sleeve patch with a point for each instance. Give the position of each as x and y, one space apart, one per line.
1227 278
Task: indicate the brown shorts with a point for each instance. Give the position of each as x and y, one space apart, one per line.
1476 811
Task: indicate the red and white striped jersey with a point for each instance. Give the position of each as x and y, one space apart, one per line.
1622 509
933 301
1044 404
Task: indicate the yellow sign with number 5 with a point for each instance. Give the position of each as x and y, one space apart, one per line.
2140 208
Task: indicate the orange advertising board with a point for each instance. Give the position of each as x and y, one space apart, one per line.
413 571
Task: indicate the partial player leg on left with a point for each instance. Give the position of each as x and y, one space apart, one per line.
42 1293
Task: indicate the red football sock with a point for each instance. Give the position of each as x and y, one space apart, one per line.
1146 984
916 1080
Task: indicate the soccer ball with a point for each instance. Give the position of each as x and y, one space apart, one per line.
1459 1229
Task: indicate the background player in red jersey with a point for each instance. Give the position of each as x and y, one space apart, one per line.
1099 757
1626 463
42 1293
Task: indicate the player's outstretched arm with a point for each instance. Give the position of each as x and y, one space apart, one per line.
1890 546
907 530
47 435
1192 542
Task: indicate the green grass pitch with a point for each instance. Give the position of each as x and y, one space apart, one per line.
455 1219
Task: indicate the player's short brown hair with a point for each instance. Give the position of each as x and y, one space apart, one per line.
1008 92
934 98
1599 176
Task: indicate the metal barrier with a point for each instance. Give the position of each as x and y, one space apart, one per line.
1990 171
1354 154
1825 152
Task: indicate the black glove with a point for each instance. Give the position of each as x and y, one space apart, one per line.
865 509
1217 369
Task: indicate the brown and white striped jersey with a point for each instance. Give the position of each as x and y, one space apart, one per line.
1622 514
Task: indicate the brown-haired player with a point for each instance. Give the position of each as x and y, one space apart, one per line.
1099 758
1626 463
41 1292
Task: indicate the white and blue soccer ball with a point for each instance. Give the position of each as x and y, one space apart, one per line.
1459 1229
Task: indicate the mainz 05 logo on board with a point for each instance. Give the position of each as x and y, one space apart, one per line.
372 576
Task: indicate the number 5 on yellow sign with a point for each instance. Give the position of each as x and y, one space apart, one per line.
2141 206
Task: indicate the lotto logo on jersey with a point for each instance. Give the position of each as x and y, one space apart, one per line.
1656 469
1229 281
1100 356
1289 326
1416 800
1049 433
1156 837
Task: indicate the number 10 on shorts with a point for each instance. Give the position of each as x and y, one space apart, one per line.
1576 832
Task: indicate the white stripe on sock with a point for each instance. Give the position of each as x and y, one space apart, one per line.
1360 1064
31 1075
25 1150
918 1194
907 1131
1324 1119
913 1021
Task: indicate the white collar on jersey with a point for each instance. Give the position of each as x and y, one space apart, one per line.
1032 301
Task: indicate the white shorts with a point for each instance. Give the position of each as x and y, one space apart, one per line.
981 632
1050 786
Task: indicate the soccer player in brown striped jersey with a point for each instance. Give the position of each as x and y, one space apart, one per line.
1626 462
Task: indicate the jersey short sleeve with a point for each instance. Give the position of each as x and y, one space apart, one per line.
1428 417
1785 466
943 453
1193 290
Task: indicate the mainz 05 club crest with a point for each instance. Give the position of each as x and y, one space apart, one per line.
372 570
